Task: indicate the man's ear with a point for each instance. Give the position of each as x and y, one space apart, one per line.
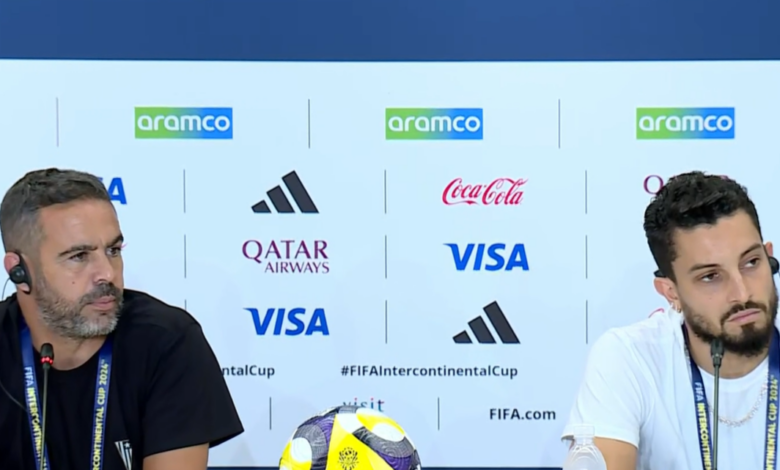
9 261
13 261
668 291
769 248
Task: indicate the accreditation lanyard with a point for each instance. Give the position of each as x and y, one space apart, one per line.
772 406
34 410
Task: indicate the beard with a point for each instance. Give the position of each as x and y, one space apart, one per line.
751 341
65 318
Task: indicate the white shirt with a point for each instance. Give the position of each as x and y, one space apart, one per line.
637 389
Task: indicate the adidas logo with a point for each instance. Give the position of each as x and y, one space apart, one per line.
280 202
480 329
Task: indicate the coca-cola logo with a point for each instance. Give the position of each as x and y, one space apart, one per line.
653 184
501 191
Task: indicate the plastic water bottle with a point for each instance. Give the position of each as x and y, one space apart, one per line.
584 455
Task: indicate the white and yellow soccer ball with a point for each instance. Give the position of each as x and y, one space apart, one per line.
349 438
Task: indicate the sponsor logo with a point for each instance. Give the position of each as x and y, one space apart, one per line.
116 190
183 123
502 414
279 200
652 184
290 322
248 370
481 331
474 254
433 124
685 123
374 404
501 191
288 256
125 453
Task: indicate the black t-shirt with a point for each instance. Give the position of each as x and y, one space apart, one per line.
166 392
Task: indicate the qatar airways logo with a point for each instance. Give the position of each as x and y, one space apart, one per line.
499 192
288 256
652 184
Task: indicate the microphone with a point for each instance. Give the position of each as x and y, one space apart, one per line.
716 351
47 359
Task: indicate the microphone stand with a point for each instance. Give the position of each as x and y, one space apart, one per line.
43 415
716 351
47 359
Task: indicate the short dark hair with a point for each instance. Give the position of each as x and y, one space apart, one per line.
687 201
39 189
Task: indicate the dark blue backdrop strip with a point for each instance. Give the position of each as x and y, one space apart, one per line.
391 30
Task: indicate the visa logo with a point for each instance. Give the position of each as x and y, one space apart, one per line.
294 321
497 257
374 404
116 190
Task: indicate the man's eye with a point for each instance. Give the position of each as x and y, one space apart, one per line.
709 277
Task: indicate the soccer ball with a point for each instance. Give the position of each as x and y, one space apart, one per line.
349 438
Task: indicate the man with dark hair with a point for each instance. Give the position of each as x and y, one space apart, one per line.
133 383
648 387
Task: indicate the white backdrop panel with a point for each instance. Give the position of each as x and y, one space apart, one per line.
392 296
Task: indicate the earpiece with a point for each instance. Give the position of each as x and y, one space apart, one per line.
20 275
774 266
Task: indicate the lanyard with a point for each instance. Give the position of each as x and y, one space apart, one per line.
772 407
34 411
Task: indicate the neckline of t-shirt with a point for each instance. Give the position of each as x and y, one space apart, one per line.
757 375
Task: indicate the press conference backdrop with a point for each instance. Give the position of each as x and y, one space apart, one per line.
439 241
